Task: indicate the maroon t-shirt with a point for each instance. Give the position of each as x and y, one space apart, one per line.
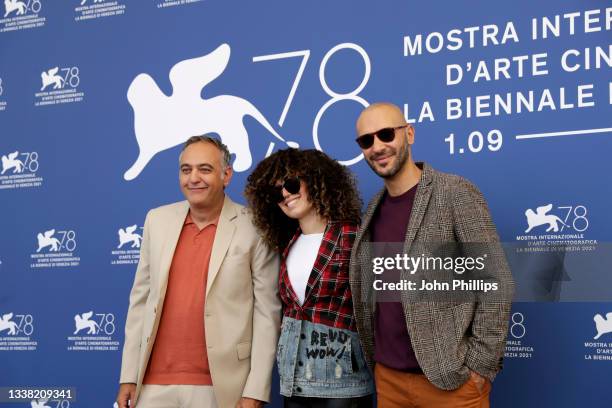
392 342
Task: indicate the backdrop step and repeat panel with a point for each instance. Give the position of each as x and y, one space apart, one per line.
96 96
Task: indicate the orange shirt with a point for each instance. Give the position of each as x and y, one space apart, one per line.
179 353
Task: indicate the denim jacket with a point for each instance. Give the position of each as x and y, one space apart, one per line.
315 360
319 353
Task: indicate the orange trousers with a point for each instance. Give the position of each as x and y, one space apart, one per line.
397 389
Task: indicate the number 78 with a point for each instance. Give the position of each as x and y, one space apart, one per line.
334 96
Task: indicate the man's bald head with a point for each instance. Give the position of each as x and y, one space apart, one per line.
379 115
389 157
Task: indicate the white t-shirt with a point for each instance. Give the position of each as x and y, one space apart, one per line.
300 261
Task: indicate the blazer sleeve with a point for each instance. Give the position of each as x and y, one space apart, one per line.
266 322
473 225
136 311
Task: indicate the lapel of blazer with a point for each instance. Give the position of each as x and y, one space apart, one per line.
421 199
223 238
324 255
173 232
367 218
362 282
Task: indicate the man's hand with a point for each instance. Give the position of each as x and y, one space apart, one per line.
127 392
247 403
478 379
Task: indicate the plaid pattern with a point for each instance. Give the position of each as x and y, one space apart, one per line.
328 297
448 339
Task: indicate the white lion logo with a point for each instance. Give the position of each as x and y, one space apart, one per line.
602 325
41 403
10 161
6 324
12 5
128 235
535 219
162 122
51 77
47 239
82 322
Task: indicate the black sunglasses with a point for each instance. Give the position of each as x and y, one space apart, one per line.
292 185
385 135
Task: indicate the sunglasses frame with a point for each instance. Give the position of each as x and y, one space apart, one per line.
278 190
372 135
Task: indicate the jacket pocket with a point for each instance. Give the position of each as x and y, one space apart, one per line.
243 350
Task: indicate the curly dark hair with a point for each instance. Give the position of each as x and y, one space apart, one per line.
331 189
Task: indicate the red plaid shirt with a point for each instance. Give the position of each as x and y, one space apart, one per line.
328 297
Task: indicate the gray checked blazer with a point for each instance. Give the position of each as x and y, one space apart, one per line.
448 339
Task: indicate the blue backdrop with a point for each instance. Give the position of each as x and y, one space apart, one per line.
515 96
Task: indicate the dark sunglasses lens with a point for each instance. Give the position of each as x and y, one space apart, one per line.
365 141
386 135
292 185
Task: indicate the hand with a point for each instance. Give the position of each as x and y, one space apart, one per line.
478 379
248 403
127 392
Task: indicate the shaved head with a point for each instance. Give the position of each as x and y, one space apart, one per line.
371 116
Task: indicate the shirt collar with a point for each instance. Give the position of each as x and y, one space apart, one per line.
189 220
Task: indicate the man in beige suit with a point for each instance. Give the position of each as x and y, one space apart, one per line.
204 313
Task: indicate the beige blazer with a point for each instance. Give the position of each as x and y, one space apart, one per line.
242 311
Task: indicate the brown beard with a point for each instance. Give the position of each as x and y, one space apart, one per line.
400 159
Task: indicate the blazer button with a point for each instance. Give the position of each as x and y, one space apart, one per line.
302 336
299 389
147 339
300 363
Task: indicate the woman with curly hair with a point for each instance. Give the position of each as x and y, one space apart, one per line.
306 206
